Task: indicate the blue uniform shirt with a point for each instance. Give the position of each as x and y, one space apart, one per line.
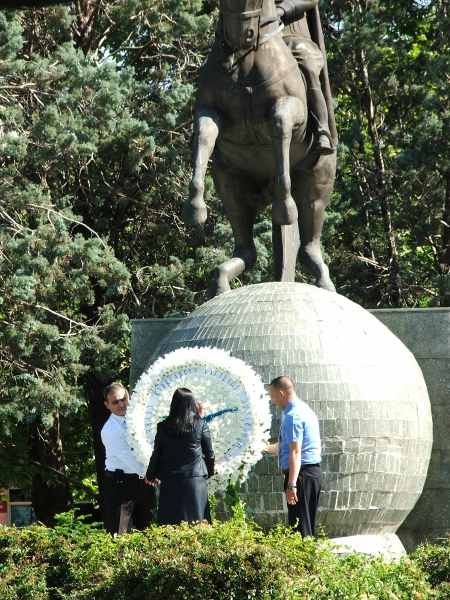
300 424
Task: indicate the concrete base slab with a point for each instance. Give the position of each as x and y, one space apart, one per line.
387 545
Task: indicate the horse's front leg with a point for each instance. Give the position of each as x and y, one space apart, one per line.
285 114
208 125
242 202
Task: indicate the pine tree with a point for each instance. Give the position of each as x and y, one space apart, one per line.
61 333
388 77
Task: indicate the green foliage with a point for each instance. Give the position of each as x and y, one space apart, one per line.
53 327
435 561
387 63
60 281
73 527
235 502
223 562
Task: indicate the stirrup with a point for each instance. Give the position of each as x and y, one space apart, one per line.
328 149
317 147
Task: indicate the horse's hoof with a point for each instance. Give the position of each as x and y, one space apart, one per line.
194 213
219 286
325 283
284 212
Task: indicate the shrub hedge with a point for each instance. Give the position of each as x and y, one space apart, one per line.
226 561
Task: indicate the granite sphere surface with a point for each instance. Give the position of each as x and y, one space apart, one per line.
363 383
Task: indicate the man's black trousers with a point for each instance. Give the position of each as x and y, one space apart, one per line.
302 515
129 499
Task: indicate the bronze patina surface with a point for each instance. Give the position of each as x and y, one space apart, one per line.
254 120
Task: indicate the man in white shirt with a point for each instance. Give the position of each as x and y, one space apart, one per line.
127 497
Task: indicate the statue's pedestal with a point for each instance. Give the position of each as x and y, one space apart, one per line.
362 382
388 545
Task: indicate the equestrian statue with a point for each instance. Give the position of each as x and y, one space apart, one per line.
264 115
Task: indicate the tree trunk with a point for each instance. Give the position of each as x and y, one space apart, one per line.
444 265
84 27
98 415
49 497
393 265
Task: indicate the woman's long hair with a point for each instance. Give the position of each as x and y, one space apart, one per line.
184 414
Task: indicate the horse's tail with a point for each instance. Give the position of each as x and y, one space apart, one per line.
315 29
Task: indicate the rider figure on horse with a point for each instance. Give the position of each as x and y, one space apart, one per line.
310 60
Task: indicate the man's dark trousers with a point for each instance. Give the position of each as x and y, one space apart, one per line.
302 515
127 497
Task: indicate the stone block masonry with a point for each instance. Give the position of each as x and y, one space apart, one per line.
365 386
426 333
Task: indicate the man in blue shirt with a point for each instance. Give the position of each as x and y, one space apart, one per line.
299 449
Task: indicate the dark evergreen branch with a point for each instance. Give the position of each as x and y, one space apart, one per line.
77 484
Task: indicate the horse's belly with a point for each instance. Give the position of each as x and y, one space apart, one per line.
258 158
246 100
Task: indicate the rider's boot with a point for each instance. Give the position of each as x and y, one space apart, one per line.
318 108
322 142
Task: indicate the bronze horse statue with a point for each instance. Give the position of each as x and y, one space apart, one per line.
252 117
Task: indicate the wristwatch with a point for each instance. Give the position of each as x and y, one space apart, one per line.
291 486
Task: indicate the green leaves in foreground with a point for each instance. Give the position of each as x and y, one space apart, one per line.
229 560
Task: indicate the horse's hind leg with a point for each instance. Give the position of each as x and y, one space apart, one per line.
285 115
312 191
286 243
208 124
238 196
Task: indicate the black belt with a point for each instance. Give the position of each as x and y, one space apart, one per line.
286 471
113 475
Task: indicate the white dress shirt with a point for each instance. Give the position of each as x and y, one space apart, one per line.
118 452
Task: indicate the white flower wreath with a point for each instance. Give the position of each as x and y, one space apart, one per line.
234 402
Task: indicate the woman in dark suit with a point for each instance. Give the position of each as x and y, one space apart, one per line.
183 458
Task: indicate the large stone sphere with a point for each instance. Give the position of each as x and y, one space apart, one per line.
363 383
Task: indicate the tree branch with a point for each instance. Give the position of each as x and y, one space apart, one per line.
77 484
71 321
68 219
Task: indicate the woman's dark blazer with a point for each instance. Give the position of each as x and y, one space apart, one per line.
190 455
